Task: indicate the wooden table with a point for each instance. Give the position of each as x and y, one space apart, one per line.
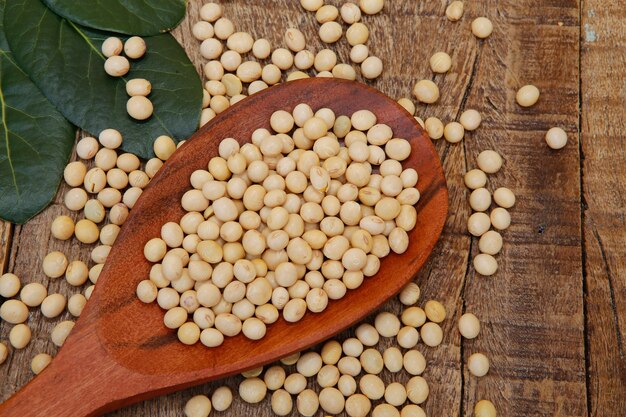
554 316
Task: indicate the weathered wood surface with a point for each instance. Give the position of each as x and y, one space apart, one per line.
603 164
553 316
6 231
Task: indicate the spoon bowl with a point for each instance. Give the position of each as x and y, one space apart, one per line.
120 352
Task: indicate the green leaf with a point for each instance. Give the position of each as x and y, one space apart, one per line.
132 17
65 62
35 142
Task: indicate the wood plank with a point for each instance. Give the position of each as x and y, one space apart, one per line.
533 338
603 63
436 280
6 232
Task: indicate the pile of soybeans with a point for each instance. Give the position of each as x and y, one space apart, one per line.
283 224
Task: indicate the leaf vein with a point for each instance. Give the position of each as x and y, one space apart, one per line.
26 142
86 38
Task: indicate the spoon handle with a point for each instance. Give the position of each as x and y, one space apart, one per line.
82 381
52 393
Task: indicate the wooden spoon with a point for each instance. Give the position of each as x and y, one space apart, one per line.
120 352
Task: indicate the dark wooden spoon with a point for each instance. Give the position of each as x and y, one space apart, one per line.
120 352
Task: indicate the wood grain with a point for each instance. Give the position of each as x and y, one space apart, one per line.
6 232
534 340
532 310
603 164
